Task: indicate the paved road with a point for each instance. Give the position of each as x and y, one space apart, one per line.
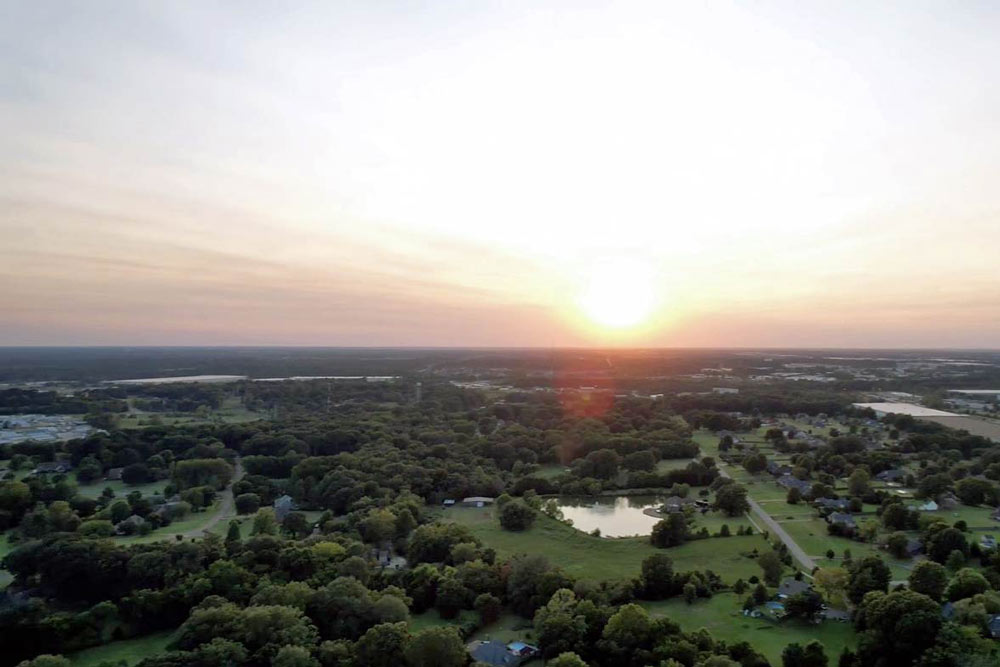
226 508
775 529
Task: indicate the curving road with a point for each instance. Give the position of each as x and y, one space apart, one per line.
225 509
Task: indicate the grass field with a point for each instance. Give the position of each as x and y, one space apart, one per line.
721 616
599 559
129 650
231 412
431 619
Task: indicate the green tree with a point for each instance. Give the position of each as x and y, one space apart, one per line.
516 515
294 656
732 500
567 659
233 533
436 647
670 532
858 484
868 574
247 503
382 645
770 563
928 578
896 544
378 526
264 522
793 497
966 583
658 576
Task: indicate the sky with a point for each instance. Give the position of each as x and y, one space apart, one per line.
694 174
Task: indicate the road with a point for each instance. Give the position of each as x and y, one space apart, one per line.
226 509
775 528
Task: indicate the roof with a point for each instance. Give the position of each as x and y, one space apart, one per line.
789 482
906 409
841 518
477 499
793 586
493 653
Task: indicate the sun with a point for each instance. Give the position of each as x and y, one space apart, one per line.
619 293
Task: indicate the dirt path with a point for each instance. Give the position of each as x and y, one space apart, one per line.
226 509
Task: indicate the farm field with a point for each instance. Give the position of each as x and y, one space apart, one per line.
129 651
599 559
721 615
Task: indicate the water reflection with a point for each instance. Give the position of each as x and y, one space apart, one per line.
615 516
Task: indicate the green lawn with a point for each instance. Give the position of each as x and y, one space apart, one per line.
600 559
191 522
129 650
432 619
812 537
666 465
508 628
550 471
721 616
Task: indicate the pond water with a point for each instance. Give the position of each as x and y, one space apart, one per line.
616 516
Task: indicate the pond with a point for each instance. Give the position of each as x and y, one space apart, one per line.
616 516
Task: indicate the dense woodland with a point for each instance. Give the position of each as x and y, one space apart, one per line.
375 464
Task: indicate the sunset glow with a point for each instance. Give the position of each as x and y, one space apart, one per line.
349 174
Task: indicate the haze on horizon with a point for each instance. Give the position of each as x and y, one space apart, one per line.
728 174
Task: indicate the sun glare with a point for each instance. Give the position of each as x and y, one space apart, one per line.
619 294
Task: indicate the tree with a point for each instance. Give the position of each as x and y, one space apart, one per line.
770 563
858 484
955 561
382 645
516 516
294 656
629 627
658 576
896 544
975 491
234 534
295 524
489 607
831 582
894 516
264 522
88 470
793 497
640 461
928 578
690 592
120 510
247 503
807 605
558 624
670 532
732 500
436 647
902 624
378 526
202 472
603 464
943 542
137 473
868 574
754 463
966 583
567 659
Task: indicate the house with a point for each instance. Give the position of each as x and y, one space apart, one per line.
948 502
477 501
283 506
836 504
842 519
130 526
914 547
894 475
676 504
839 615
790 587
988 542
929 506
778 469
994 627
114 475
501 655
52 468
790 482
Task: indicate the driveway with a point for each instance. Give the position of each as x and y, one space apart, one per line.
775 529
